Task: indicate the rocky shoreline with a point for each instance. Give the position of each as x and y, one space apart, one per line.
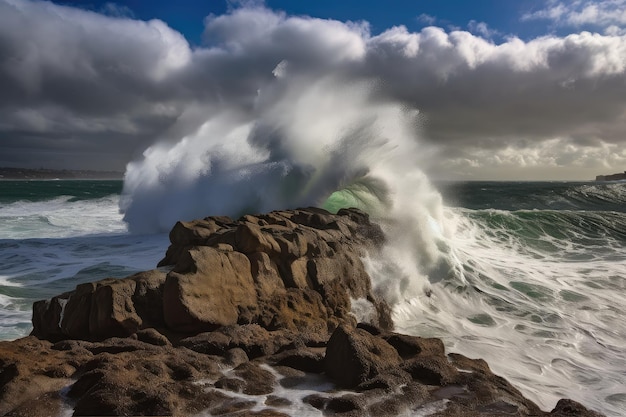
249 317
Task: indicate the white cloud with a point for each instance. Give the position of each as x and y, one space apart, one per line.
554 159
115 82
577 13
482 29
117 10
426 19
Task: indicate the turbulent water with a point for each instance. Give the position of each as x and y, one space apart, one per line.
57 234
529 276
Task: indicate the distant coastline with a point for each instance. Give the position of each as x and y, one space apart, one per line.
51 174
612 177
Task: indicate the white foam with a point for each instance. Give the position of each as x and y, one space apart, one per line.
530 313
301 387
60 218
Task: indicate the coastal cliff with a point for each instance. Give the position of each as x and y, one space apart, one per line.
267 315
612 177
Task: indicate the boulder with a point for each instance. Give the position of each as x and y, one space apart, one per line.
102 309
354 356
297 270
207 289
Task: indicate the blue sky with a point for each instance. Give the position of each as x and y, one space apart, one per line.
529 89
502 18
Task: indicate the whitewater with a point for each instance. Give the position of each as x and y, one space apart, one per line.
530 277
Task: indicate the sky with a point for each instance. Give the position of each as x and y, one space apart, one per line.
505 90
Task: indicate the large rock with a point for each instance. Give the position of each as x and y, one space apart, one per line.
98 310
297 270
238 312
208 288
246 370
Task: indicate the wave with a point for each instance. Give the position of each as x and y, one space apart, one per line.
62 216
565 234
537 195
540 295
39 268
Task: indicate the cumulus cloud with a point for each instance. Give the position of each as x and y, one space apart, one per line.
93 84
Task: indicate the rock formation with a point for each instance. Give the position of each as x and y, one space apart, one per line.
241 318
612 177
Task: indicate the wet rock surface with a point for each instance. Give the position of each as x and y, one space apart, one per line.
246 318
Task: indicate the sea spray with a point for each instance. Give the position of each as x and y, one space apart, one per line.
302 140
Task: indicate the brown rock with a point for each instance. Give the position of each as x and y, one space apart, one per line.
296 270
112 312
258 381
354 356
233 298
102 309
410 346
208 289
567 408
153 337
431 370
304 359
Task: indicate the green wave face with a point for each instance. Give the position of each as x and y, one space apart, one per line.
549 230
367 194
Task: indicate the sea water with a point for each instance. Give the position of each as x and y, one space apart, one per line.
57 234
531 276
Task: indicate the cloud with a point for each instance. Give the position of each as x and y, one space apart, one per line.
117 10
70 73
481 28
426 19
102 85
600 13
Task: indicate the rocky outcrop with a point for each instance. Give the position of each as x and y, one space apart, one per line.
612 177
244 370
297 270
246 318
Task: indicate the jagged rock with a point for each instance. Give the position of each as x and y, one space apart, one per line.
153 337
207 289
296 270
304 359
354 356
570 408
431 370
106 308
410 346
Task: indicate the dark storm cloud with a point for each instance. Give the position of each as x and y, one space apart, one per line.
101 83
73 77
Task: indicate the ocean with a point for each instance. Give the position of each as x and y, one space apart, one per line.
530 276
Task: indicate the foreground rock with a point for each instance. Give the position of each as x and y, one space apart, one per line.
296 270
244 318
358 374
